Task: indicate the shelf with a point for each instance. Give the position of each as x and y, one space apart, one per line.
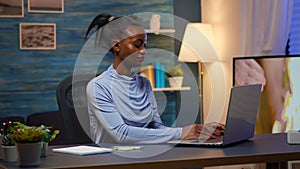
172 89
160 31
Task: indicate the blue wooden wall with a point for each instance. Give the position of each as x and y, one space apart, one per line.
28 78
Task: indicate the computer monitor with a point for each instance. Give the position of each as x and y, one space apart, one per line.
280 98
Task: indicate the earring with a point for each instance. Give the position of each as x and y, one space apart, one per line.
117 49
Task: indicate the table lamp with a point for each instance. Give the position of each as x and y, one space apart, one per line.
198 46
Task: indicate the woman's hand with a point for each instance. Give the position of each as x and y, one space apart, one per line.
191 131
213 129
209 130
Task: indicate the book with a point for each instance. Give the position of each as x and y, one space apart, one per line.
157 75
162 76
148 72
82 150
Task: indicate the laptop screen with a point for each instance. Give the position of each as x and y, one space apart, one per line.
242 113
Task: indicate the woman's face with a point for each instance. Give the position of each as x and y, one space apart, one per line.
132 49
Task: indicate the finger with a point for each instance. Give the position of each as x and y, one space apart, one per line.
213 132
221 126
206 133
209 130
219 131
216 127
199 127
204 136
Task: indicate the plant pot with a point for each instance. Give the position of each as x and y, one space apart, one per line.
44 149
9 153
175 81
29 154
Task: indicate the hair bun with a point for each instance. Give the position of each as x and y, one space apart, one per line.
111 18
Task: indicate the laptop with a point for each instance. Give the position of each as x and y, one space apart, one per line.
241 118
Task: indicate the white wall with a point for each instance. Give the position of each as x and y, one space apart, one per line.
226 28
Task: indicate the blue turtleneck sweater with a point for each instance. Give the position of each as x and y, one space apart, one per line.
123 109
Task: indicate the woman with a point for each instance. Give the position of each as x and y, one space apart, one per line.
121 104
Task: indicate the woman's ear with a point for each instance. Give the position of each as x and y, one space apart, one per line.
115 46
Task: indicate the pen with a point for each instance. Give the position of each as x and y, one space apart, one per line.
126 148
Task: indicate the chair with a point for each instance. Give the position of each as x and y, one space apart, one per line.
72 104
53 119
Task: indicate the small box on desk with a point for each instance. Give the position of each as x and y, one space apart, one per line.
293 137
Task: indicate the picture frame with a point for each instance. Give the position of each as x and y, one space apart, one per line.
37 36
11 8
46 6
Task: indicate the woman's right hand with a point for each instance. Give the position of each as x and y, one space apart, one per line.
191 131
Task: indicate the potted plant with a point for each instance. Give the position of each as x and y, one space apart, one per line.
48 137
175 76
8 148
29 141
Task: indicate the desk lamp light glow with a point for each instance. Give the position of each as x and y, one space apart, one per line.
198 46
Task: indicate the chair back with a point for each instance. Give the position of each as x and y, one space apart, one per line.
72 104
53 119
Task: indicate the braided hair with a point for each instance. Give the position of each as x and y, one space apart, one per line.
109 27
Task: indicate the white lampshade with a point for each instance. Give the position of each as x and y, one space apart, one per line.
198 44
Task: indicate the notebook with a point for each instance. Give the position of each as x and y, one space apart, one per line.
240 121
82 150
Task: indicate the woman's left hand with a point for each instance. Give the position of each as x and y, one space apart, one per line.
211 130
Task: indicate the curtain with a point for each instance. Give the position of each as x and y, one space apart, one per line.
266 26
294 44
248 28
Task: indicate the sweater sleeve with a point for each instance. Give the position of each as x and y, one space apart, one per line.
157 123
102 106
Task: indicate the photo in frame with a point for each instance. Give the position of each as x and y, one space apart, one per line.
46 6
11 8
37 36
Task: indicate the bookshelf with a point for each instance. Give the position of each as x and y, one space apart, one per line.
160 31
185 88
157 78
169 102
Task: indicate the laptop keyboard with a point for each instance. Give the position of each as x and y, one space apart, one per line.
201 141
216 140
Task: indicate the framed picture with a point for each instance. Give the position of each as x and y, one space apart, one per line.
11 8
37 36
46 6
